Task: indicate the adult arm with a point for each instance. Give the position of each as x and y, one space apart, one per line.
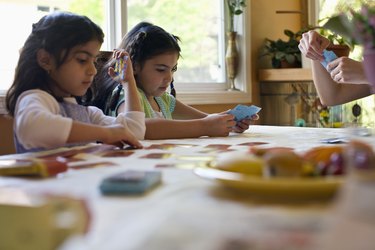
333 93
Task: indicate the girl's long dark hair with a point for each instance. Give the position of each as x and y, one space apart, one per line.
57 33
144 41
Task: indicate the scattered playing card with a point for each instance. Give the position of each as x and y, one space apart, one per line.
255 143
117 153
244 112
84 165
71 154
335 140
329 56
195 157
168 146
183 165
156 156
218 146
215 148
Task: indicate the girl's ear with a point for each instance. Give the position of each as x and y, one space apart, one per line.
136 68
44 59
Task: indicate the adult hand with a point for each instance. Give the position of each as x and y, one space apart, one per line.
346 70
312 45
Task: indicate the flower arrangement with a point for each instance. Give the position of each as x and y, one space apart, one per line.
235 7
358 27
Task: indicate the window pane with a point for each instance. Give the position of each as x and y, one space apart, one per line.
22 14
199 24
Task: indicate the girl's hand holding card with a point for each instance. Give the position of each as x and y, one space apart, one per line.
244 115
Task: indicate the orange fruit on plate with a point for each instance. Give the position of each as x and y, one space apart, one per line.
322 153
258 151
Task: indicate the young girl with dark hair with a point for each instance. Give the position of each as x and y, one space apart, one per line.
154 53
56 67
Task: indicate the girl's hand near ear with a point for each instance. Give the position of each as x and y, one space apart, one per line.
132 101
129 76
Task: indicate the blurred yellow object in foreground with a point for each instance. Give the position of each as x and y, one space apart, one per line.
39 222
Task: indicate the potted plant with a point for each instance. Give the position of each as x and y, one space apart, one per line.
284 54
340 45
235 7
358 27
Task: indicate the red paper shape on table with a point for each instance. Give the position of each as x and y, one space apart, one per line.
156 156
168 146
253 143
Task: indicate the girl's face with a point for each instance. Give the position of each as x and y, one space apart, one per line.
157 73
76 74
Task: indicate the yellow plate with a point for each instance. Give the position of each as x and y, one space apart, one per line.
282 187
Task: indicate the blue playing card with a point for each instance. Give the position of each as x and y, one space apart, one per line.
244 112
329 56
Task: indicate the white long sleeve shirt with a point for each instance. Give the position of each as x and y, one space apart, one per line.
38 120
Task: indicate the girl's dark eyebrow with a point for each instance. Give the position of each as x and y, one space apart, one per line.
163 65
86 52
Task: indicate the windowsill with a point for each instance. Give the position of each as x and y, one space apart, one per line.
190 98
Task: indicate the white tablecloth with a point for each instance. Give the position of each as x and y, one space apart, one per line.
188 212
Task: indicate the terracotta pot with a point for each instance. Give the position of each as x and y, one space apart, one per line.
369 65
339 50
284 64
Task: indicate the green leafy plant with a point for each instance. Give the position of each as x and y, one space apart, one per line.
357 27
281 50
333 37
235 7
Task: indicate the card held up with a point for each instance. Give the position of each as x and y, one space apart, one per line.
329 56
244 112
120 68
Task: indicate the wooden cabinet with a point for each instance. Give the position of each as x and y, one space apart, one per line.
287 95
6 130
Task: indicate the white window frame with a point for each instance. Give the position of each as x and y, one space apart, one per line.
198 93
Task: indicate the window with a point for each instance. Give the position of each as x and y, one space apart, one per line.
21 15
198 24
200 78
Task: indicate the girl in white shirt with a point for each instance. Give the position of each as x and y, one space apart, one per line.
56 67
